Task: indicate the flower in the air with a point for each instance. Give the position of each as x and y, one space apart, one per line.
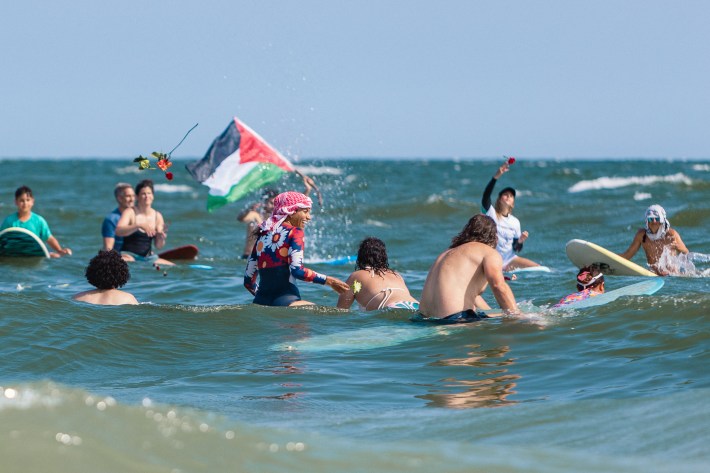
169 175
511 160
164 164
357 285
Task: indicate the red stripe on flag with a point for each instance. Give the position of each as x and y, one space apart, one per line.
252 147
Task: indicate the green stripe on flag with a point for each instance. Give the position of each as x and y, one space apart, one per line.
261 175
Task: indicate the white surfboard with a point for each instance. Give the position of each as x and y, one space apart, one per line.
644 288
16 241
367 338
583 253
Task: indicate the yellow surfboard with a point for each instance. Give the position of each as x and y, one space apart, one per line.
584 253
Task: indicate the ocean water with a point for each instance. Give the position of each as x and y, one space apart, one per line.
196 379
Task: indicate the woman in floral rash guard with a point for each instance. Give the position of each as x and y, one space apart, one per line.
277 256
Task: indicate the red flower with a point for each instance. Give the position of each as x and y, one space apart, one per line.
164 164
511 160
169 175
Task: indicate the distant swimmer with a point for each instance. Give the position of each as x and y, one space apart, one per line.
25 218
656 239
452 290
510 238
260 211
590 283
107 272
374 285
125 197
141 226
277 255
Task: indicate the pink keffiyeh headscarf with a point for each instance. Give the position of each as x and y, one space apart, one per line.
285 204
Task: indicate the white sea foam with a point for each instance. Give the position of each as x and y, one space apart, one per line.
642 196
320 170
172 188
701 167
616 182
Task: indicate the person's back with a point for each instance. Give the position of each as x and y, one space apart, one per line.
107 272
106 297
374 285
456 279
460 274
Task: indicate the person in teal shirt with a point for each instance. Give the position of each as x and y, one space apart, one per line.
25 218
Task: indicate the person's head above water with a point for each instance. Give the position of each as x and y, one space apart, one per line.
590 277
656 222
285 204
372 255
480 228
107 270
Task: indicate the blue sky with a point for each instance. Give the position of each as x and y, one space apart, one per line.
357 78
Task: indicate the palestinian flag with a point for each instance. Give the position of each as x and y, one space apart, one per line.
238 162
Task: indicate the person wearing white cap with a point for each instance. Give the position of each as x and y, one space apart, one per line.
654 239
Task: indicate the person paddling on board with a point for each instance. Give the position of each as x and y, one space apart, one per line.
656 239
510 238
590 283
25 218
374 285
277 255
453 287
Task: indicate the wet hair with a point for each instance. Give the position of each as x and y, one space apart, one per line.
589 277
372 255
145 183
480 228
269 193
120 187
107 270
22 190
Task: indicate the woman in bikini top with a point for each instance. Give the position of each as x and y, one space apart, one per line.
374 285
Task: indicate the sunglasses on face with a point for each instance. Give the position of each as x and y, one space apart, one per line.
653 219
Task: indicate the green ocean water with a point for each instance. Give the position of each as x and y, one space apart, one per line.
198 379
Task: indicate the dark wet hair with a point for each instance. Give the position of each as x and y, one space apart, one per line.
480 228
22 190
589 277
107 270
372 255
269 193
145 183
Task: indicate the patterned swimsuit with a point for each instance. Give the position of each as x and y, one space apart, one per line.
277 257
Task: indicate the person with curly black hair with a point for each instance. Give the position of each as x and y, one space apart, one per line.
453 287
107 271
374 285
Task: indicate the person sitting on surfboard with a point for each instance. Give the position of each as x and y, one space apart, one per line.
126 197
277 255
590 283
141 226
374 285
510 238
453 287
107 271
260 211
25 218
656 239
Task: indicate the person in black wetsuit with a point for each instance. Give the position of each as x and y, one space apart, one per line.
141 226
